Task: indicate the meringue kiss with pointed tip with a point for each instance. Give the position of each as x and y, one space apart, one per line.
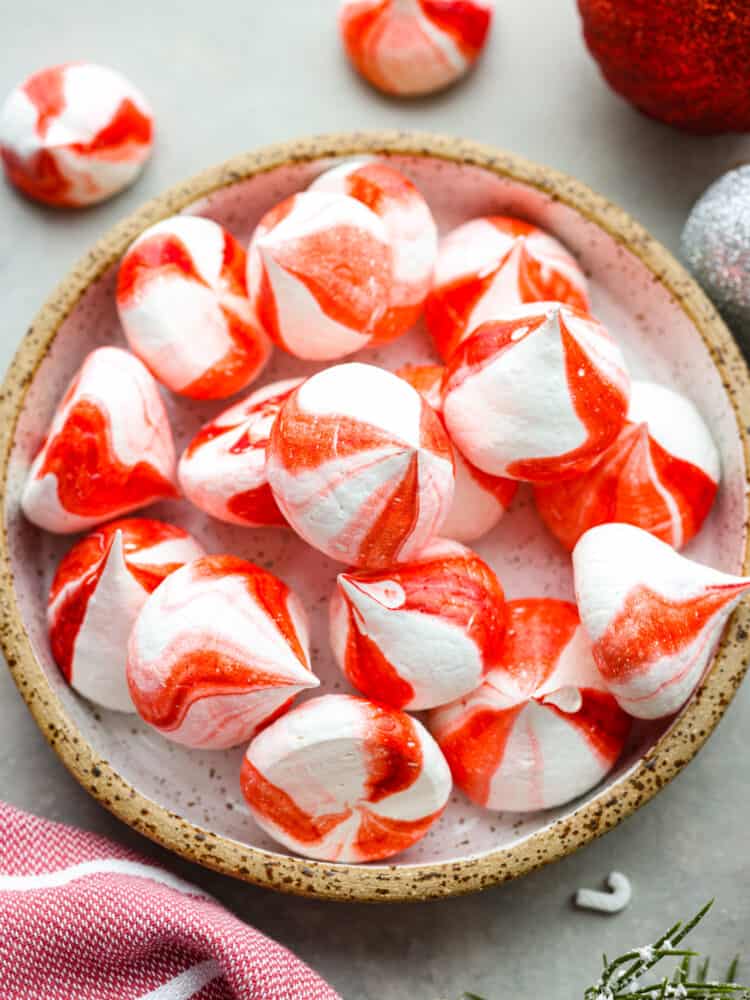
320 275
413 47
479 500
223 469
536 397
218 651
182 301
410 226
361 466
343 779
491 265
108 451
542 729
653 615
74 134
99 588
421 634
661 474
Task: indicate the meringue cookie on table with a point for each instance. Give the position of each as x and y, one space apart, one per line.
490 265
361 466
343 779
420 634
182 301
320 275
538 396
479 500
542 729
412 47
654 616
410 226
74 134
108 451
99 588
218 651
661 474
223 469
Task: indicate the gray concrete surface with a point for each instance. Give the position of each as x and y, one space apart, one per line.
226 76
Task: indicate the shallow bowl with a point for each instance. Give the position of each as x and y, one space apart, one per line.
189 801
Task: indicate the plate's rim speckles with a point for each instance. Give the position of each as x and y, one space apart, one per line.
375 883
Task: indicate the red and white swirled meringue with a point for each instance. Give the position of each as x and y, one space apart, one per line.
542 729
421 634
408 222
660 474
109 449
343 779
320 275
182 300
223 469
98 590
479 500
654 616
218 651
491 265
411 47
538 397
361 466
74 134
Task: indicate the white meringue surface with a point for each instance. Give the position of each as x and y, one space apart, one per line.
654 616
364 781
117 402
125 561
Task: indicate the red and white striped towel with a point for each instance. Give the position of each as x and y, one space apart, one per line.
84 919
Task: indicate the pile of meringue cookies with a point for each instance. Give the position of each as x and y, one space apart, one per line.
528 702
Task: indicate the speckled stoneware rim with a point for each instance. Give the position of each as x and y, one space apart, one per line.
381 882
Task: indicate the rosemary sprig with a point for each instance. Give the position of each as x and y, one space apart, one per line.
622 978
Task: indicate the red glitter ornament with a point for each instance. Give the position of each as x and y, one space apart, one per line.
684 62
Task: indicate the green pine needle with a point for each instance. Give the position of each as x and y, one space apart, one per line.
622 978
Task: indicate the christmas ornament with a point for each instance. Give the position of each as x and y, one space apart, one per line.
716 247
681 61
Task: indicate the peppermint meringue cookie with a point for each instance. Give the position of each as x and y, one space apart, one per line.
410 226
223 469
490 265
109 449
182 301
412 47
74 134
99 588
660 474
654 616
343 779
421 634
479 500
361 466
218 651
320 275
542 729
538 396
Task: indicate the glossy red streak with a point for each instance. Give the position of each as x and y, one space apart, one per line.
91 481
46 91
280 809
127 128
650 626
464 21
619 488
81 569
370 672
198 672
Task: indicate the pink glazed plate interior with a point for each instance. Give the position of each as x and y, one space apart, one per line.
192 799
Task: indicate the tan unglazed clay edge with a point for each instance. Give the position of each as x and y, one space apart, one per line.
374 882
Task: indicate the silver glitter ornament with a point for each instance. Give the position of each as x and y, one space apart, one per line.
716 247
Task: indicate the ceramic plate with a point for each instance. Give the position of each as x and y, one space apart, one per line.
190 800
